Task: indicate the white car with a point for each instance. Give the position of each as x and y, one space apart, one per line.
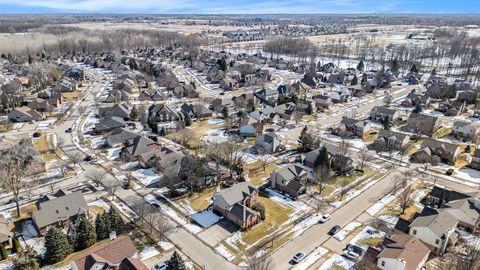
298 257
324 218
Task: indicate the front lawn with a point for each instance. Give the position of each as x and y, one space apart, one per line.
199 201
73 95
442 132
275 215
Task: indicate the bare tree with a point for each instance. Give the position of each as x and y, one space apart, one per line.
405 195
13 168
232 156
258 260
75 157
161 224
184 137
322 177
265 160
364 156
96 176
388 99
344 182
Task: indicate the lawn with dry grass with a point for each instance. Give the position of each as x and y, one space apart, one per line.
73 95
370 137
255 171
275 215
442 132
394 210
199 201
25 211
373 242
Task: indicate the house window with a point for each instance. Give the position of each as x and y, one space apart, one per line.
383 263
415 232
437 241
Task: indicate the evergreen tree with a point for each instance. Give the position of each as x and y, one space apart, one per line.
360 66
417 109
414 69
176 262
364 78
57 246
72 234
309 109
115 221
102 227
86 235
3 252
395 65
162 132
434 72
26 260
306 140
134 114
188 120
225 113
354 80
250 105
322 158
16 245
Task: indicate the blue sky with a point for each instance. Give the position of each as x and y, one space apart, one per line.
239 6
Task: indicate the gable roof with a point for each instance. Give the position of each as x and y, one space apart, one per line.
110 123
237 193
112 254
407 248
120 135
438 223
139 145
59 209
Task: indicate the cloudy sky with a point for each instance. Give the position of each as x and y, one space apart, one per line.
239 6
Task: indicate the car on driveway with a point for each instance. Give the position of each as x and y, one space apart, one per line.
334 230
159 266
324 218
298 257
352 252
68 130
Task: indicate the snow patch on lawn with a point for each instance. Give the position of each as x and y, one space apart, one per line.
223 251
100 203
336 260
389 219
148 252
311 259
165 245
363 235
302 226
342 234
114 153
235 239
375 208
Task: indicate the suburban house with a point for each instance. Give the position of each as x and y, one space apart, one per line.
350 126
41 105
311 156
108 124
290 179
121 110
402 252
164 117
391 140
436 231
136 147
475 163
341 164
250 127
228 84
447 152
465 130
66 84
268 95
24 114
268 142
266 115
117 254
422 124
235 204
383 113
118 137
322 102
219 103
58 210
198 111
6 233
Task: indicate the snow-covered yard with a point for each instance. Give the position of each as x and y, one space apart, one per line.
376 207
367 233
148 252
113 153
100 203
165 246
146 176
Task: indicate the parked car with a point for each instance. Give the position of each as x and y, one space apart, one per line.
324 218
298 257
159 266
334 230
68 130
352 252
88 158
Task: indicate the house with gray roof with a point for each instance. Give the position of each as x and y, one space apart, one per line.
59 211
108 124
290 179
267 143
136 147
118 137
6 233
235 204
422 123
436 231
381 113
268 95
447 152
391 140
24 114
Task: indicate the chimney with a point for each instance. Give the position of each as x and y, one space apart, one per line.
112 235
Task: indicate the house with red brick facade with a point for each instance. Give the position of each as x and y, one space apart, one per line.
235 203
